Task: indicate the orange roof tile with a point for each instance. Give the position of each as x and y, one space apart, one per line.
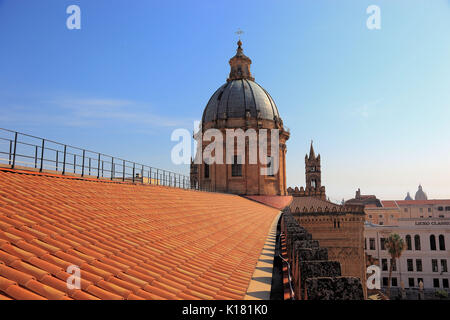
311 202
130 241
278 202
396 203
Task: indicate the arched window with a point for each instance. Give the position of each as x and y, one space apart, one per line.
441 242
408 242
417 242
313 183
432 242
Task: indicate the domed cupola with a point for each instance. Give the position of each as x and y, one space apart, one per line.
408 197
226 160
240 97
420 194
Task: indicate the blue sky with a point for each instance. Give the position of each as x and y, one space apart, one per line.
376 102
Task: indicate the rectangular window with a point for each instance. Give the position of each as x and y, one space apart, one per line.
365 243
434 265
236 168
382 243
385 281
206 170
411 282
444 265
421 210
429 209
384 264
409 262
436 283
419 265
394 282
445 283
372 243
270 168
394 265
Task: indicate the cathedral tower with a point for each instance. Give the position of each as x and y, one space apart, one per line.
312 170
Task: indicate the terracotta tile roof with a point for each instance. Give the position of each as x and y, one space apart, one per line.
278 202
130 241
311 202
389 204
396 203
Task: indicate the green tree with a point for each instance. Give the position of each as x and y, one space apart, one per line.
395 246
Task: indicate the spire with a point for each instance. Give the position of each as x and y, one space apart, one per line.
312 155
240 65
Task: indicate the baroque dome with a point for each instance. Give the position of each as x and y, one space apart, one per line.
240 97
408 197
420 194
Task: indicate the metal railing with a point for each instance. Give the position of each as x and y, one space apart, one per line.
20 149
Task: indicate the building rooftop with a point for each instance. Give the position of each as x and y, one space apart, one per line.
396 203
278 202
300 203
131 241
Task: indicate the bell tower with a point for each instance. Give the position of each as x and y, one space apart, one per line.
312 170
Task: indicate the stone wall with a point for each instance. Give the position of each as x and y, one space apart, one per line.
314 276
342 233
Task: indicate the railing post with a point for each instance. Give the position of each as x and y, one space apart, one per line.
112 168
98 167
64 160
150 175
103 162
89 165
15 151
10 152
57 152
42 155
123 170
74 163
157 177
134 168
82 165
35 156
142 173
